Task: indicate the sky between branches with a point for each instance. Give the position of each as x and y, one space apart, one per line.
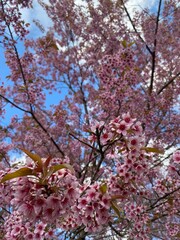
38 14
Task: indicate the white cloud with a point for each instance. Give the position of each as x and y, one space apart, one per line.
138 5
84 2
133 5
80 2
37 13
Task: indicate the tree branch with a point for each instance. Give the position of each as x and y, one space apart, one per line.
26 87
87 144
134 27
45 130
154 50
168 83
13 104
116 231
161 198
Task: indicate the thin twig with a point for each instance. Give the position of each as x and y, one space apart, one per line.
154 50
134 27
168 83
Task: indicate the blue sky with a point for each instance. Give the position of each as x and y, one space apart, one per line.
38 14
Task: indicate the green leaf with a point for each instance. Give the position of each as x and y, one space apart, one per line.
19 173
47 173
103 188
171 201
124 43
152 149
55 168
46 164
36 158
30 80
115 208
117 197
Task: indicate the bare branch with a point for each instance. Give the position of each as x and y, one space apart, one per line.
168 83
154 50
13 104
134 27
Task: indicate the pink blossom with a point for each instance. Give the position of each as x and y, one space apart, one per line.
83 202
122 127
29 236
176 157
127 118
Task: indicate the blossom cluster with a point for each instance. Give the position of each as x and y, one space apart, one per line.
45 201
17 228
51 193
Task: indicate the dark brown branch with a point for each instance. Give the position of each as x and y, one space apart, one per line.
87 144
116 231
161 198
168 83
44 129
13 104
26 87
154 50
98 134
85 169
85 104
134 27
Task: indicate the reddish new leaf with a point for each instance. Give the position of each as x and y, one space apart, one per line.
36 158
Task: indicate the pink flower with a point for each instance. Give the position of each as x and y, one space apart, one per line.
137 127
139 168
65 202
72 193
27 209
96 206
50 235
38 205
122 127
127 118
40 227
127 177
121 172
105 136
134 142
92 138
48 213
96 125
129 161
87 220
53 202
16 230
176 157
89 211
82 202
38 236
29 236
91 194
105 201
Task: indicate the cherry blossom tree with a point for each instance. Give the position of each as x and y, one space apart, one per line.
102 162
